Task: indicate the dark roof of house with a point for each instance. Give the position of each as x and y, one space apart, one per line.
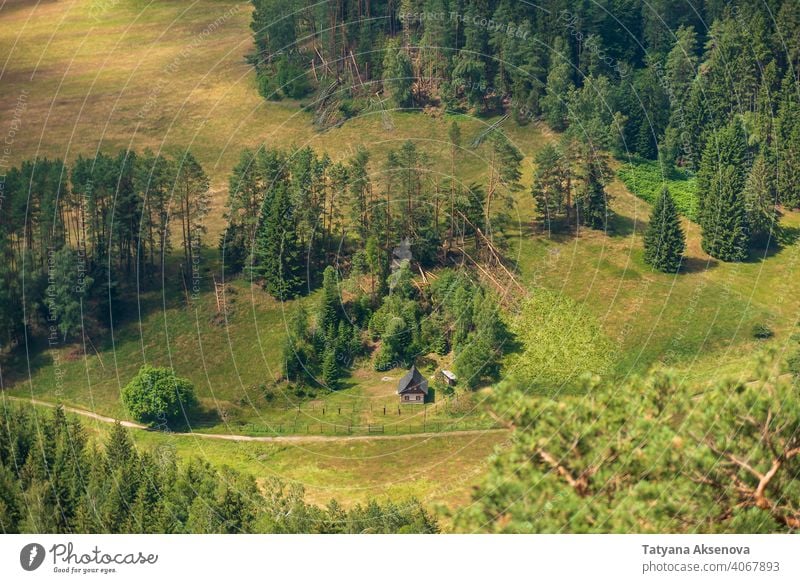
412 381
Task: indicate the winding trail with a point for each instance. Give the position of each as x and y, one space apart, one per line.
260 438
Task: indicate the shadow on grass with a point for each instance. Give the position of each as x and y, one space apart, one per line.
199 418
624 226
16 367
698 265
785 236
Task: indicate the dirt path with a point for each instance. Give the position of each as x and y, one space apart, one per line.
264 438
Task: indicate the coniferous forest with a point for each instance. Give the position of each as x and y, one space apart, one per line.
578 220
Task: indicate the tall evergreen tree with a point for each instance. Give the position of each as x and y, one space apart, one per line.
787 142
761 202
664 240
559 84
724 148
191 204
593 200
725 229
548 188
398 75
278 254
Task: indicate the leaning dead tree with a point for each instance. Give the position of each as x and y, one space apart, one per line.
492 268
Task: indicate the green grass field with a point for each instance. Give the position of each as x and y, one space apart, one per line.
168 75
111 75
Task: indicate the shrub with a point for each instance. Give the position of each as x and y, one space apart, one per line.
646 180
158 395
762 332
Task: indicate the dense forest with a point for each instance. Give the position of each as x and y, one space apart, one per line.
75 238
709 87
55 479
82 240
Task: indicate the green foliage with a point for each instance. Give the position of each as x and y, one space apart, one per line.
725 229
479 356
278 253
559 342
53 480
762 332
646 179
397 75
157 395
557 88
549 188
761 203
680 459
787 150
330 370
664 240
285 78
593 201
793 363
68 286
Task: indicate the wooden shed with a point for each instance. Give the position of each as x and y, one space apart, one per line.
413 387
448 377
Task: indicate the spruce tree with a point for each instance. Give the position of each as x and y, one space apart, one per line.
725 230
397 75
279 257
664 240
559 84
724 148
593 199
328 315
760 202
787 144
330 369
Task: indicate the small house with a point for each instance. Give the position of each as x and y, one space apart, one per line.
413 387
448 378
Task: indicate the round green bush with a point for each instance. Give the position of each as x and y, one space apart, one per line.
157 395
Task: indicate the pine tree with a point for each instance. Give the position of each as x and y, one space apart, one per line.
330 370
760 202
664 240
360 192
504 170
191 204
559 84
593 200
279 258
66 292
725 229
787 143
397 75
548 188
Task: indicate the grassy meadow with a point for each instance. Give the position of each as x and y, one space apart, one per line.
130 73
